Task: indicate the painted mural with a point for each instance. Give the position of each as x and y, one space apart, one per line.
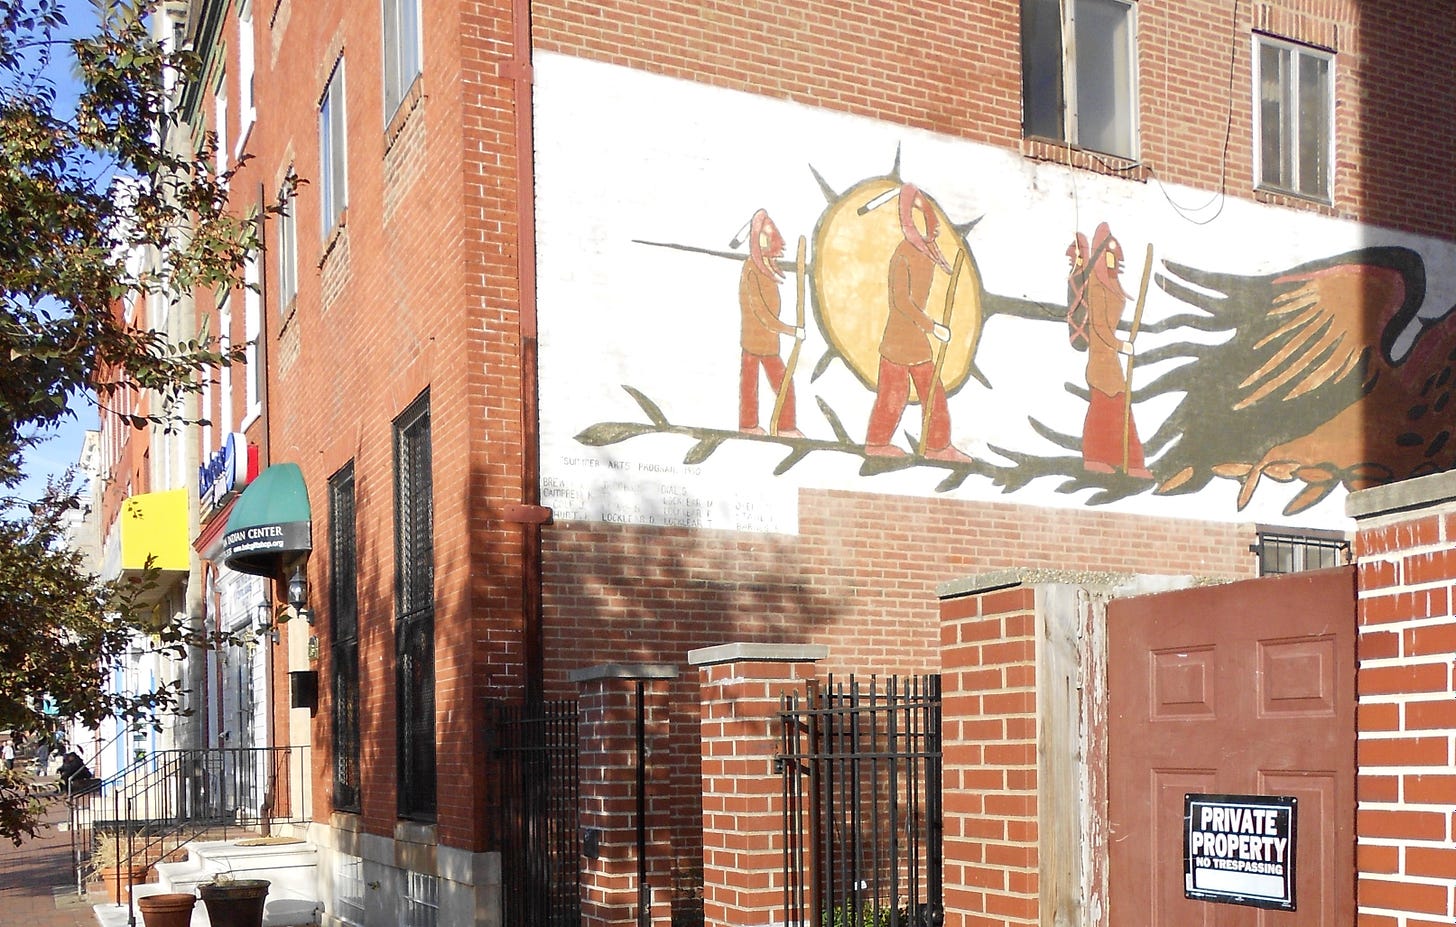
1125 354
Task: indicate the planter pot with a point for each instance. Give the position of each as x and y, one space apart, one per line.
170 910
117 879
238 903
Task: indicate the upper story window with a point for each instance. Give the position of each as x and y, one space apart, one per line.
219 123
1294 97
225 371
401 51
333 179
287 254
1077 74
247 105
252 332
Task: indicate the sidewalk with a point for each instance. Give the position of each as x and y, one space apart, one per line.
36 884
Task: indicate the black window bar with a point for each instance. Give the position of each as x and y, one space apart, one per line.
1287 551
344 639
415 610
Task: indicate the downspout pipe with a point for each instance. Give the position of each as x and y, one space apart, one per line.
530 514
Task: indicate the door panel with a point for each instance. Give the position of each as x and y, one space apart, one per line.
1246 688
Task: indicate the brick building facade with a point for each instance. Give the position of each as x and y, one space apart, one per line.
512 211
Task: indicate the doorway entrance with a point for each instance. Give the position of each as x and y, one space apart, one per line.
1240 689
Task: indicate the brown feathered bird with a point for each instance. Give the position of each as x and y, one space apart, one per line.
1330 373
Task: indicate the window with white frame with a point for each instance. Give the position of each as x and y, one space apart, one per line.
1293 101
1078 75
225 372
219 123
287 254
401 50
333 179
252 331
247 106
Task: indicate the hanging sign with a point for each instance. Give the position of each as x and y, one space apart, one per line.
1239 849
226 471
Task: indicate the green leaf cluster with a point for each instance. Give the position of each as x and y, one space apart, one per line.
96 169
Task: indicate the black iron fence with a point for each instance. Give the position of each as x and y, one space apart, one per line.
541 868
861 766
168 798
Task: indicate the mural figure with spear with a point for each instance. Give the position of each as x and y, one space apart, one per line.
1095 303
758 298
906 354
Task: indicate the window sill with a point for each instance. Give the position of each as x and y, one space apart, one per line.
250 119
336 233
407 106
1276 197
1043 149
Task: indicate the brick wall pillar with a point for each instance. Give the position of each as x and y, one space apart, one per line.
608 768
988 683
1405 548
743 844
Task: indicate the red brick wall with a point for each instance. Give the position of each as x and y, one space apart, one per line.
1407 720
990 768
955 68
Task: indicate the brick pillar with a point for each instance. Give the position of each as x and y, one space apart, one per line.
1405 548
988 683
743 843
608 769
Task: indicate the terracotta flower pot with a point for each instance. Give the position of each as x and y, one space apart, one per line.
238 903
170 910
117 879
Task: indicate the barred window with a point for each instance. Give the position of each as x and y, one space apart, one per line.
344 639
349 889
421 900
414 525
1288 550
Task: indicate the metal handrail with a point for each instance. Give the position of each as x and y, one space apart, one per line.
169 798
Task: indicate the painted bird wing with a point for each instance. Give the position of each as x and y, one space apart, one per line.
1311 326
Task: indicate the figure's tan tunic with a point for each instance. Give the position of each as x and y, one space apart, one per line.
1104 311
758 298
905 340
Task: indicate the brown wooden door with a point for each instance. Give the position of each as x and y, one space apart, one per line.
1246 688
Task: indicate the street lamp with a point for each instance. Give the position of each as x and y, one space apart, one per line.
298 594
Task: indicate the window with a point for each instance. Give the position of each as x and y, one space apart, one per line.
414 527
1080 92
287 253
252 332
219 123
344 639
421 899
349 889
225 420
1294 88
401 51
333 179
247 108
1293 551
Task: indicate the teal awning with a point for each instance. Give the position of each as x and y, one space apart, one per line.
270 524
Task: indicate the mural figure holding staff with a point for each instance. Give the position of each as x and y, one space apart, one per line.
758 299
905 347
1095 303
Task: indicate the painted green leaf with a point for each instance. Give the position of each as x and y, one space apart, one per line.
604 433
648 406
702 450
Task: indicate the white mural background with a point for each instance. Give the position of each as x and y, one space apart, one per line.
625 157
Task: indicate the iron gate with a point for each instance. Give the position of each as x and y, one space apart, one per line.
861 771
541 862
